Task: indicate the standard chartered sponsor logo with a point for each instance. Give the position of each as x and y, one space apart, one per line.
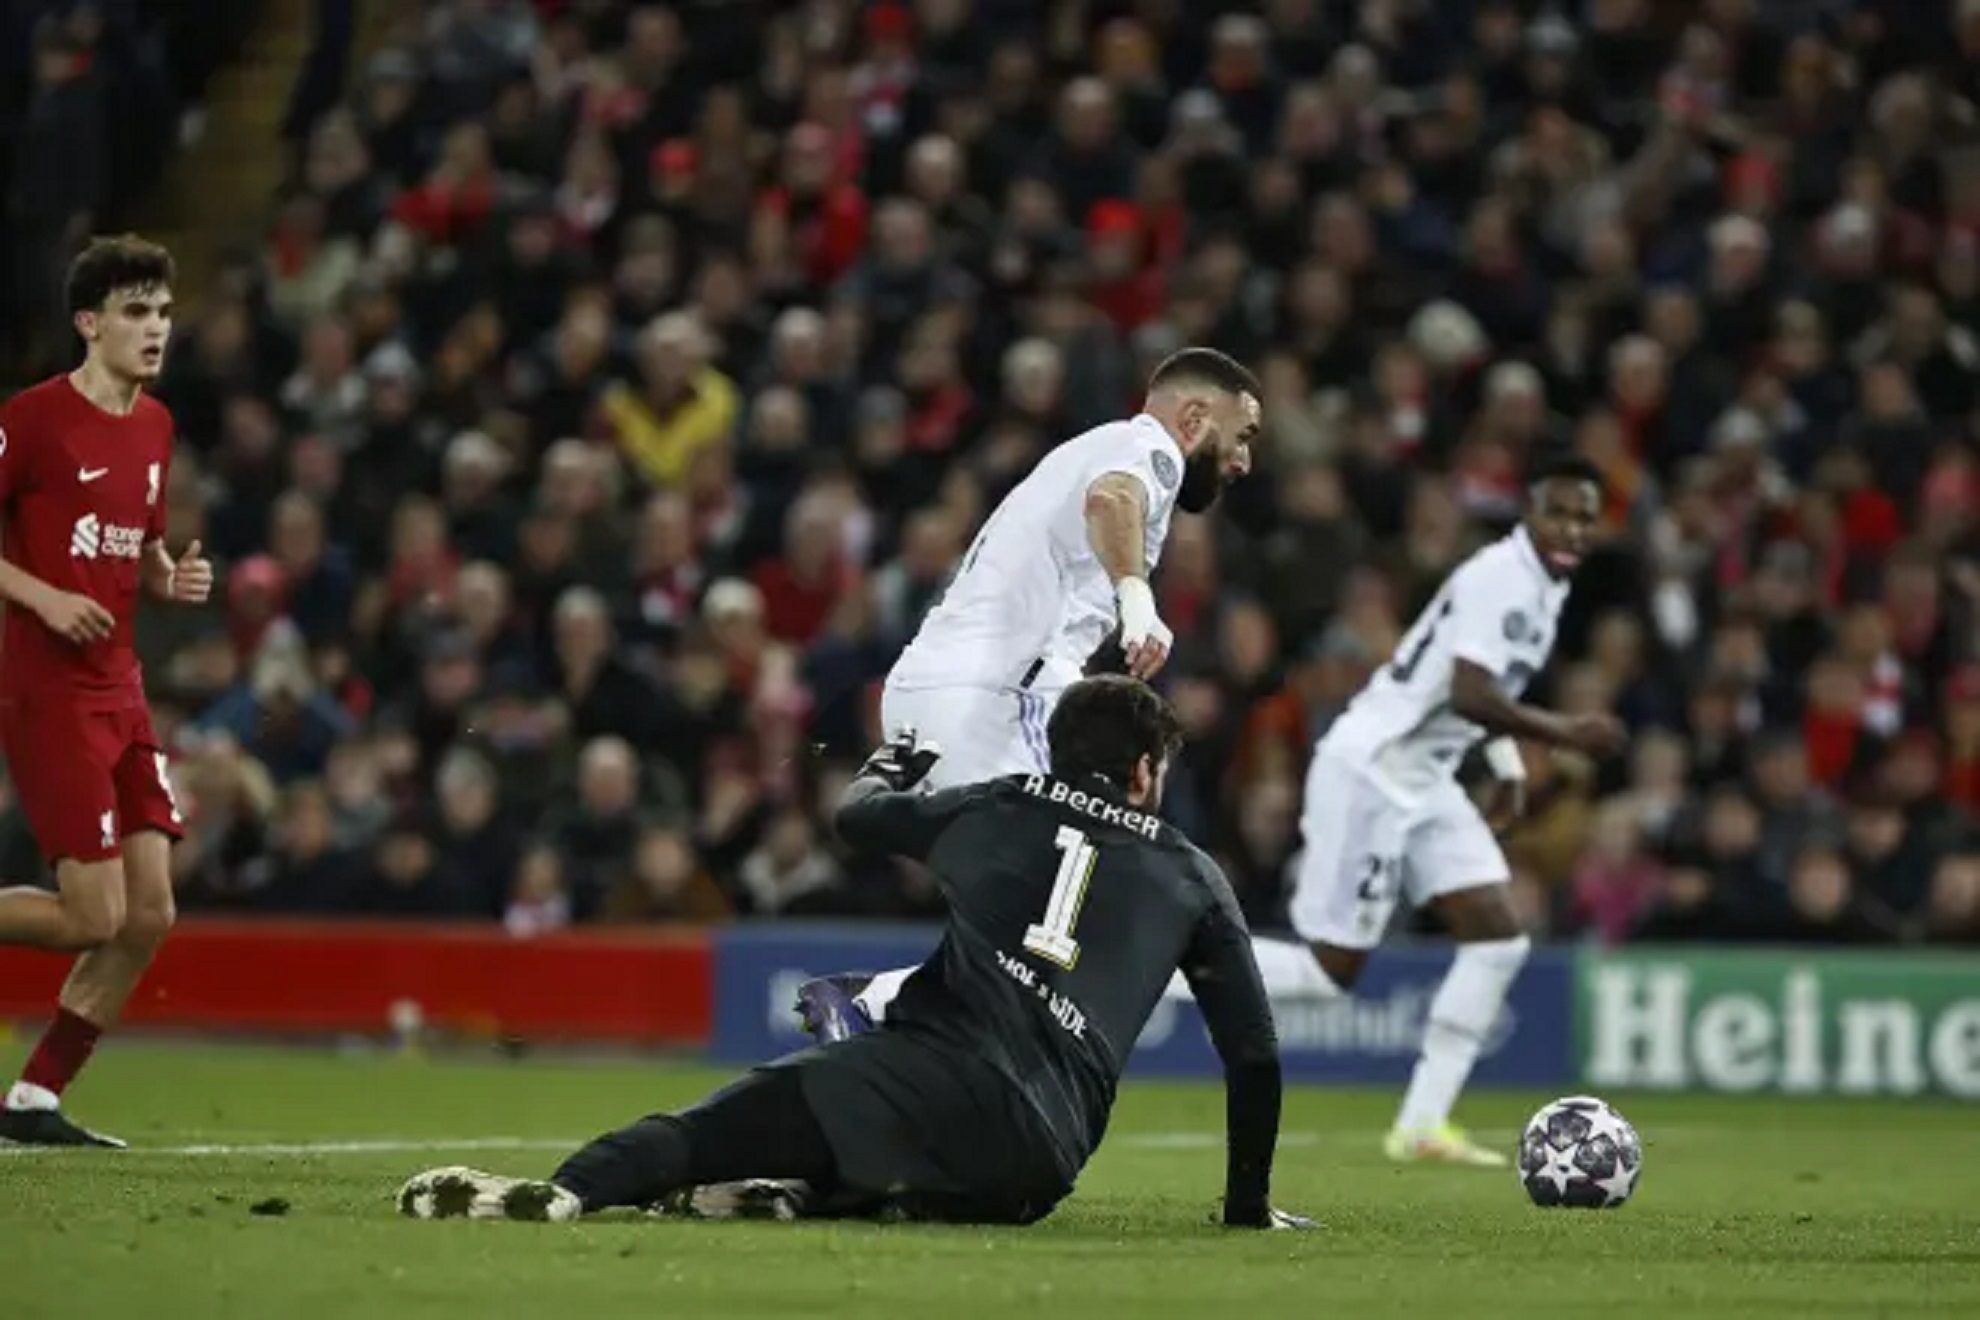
86 540
1774 1026
92 538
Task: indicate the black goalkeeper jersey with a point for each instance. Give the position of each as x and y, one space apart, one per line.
1069 912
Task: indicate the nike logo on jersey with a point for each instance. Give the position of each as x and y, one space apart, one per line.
91 474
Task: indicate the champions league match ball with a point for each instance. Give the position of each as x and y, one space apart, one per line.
1580 1153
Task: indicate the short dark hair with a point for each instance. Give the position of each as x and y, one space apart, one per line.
108 264
1104 725
1563 465
1205 366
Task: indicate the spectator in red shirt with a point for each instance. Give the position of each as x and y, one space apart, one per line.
824 215
457 197
801 586
1125 287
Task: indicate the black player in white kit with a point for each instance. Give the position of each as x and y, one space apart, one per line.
989 1085
1386 821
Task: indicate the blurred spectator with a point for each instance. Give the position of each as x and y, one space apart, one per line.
1823 904
477 842
681 406
405 878
1953 914
278 716
667 883
539 902
306 872
790 873
1617 879
1267 838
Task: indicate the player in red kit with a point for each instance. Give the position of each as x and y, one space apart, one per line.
83 463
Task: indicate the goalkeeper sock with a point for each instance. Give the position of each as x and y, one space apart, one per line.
1461 1016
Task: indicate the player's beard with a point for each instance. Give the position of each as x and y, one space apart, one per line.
1202 483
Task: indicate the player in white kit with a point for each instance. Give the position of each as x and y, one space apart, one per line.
1057 572
1385 817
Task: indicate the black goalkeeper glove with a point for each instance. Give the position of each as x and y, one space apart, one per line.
902 761
1110 657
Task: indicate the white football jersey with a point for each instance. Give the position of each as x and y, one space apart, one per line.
1030 598
1500 609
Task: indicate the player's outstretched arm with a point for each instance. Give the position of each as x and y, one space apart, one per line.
1223 976
1477 696
873 818
880 812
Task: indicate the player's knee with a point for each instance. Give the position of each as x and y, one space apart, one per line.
1503 956
1341 966
147 924
90 923
1484 915
93 902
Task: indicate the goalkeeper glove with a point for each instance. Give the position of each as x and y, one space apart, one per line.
902 761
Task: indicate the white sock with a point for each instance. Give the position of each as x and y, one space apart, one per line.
881 990
26 1095
1289 970
1461 1015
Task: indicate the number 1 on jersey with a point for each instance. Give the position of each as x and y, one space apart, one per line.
1052 938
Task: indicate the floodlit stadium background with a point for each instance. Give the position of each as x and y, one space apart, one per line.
584 400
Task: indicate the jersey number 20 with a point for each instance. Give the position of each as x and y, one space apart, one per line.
1052 938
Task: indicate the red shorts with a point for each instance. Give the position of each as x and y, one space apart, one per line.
87 778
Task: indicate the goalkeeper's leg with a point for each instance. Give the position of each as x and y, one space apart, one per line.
760 1127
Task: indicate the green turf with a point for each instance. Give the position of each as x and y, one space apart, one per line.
1748 1208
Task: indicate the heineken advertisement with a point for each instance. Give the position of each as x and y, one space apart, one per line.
1780 1021
1783 1022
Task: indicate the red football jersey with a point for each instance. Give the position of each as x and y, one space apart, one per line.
81 492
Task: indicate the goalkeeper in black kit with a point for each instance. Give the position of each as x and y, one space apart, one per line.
989 1086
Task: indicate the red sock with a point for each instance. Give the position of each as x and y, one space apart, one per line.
64 1048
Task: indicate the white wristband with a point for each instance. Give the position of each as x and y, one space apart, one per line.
1502 754
1137 606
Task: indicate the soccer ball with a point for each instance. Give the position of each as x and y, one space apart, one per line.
1579 1152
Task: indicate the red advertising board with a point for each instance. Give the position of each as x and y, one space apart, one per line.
647 987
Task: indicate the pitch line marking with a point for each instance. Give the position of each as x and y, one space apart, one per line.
416 1145
1149 1141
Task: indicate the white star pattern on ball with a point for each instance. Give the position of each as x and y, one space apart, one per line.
1618 1185
1578 1152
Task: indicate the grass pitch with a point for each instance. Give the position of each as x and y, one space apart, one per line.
262 1187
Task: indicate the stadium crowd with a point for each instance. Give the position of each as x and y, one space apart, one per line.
616 384
94 97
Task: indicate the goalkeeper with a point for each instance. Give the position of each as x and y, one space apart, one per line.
989 1086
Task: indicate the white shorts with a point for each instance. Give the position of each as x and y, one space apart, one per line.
1365 848
984 732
